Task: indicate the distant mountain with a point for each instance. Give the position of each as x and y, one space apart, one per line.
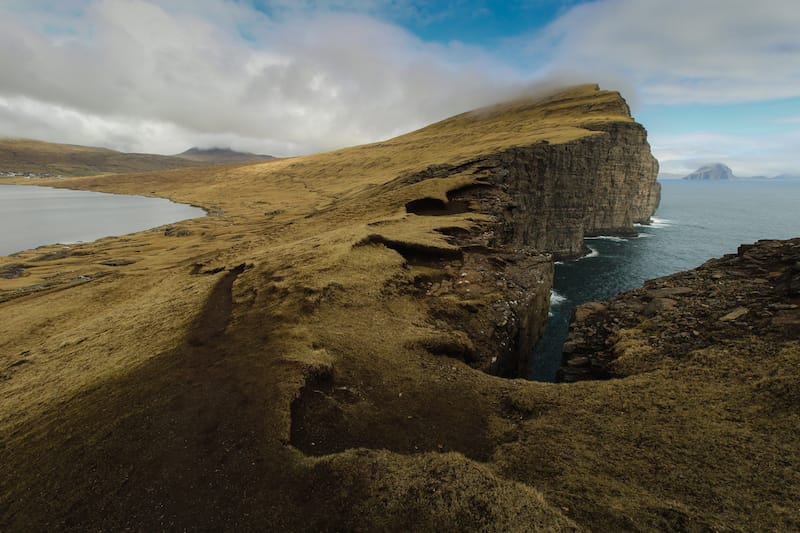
26 157
221 155
787 177
715 171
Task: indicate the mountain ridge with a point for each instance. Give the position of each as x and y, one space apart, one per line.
29 156
221 155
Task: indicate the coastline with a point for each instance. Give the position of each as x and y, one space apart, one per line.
314 354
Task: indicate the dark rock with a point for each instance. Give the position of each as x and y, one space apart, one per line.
659 305
668 292
117 262
700 312
12 271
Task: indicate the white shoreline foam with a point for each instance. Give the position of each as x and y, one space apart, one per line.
656 222
613 238
592 253
556 299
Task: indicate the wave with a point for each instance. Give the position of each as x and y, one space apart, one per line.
643 235
612 238
556 299
592 253
656 222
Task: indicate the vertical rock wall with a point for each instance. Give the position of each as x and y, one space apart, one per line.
558 194
546 198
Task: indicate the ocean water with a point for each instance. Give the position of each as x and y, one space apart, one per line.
35 216
696 221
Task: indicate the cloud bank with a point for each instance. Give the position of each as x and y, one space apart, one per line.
289 78
141 75
681 51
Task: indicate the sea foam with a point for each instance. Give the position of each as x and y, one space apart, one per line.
556 299
613 238
656 222
592 253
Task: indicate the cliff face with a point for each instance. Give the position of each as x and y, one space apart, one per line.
555 195
541 198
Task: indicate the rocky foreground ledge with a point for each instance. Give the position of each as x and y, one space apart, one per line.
723 305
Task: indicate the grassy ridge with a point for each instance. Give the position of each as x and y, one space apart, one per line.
24 155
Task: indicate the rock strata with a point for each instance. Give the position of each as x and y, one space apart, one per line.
550 197
752 292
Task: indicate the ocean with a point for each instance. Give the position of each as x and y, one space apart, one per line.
696 221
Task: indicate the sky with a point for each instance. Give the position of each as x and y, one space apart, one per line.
711 80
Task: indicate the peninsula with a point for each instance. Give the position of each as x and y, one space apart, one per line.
333 347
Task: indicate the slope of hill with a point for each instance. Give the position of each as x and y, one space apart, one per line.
323 352
24 156
221 155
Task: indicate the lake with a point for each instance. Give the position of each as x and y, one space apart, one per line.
696 221
35 216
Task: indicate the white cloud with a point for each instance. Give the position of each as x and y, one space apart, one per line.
226 71
162 75
682 50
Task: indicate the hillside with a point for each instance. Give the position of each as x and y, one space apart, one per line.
26 156
329 350
221 155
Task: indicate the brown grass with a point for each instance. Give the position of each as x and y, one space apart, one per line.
297 393
26 155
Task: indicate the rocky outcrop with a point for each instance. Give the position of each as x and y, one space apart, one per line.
754 292
713 172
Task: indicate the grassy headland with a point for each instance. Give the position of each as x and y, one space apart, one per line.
271 368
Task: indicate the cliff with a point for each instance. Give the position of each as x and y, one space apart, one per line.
321 352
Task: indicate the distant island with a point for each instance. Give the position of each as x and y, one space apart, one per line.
721 171
713 172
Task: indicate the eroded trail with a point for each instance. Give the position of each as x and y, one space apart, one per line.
180 440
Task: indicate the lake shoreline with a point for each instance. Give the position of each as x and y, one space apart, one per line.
77 216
